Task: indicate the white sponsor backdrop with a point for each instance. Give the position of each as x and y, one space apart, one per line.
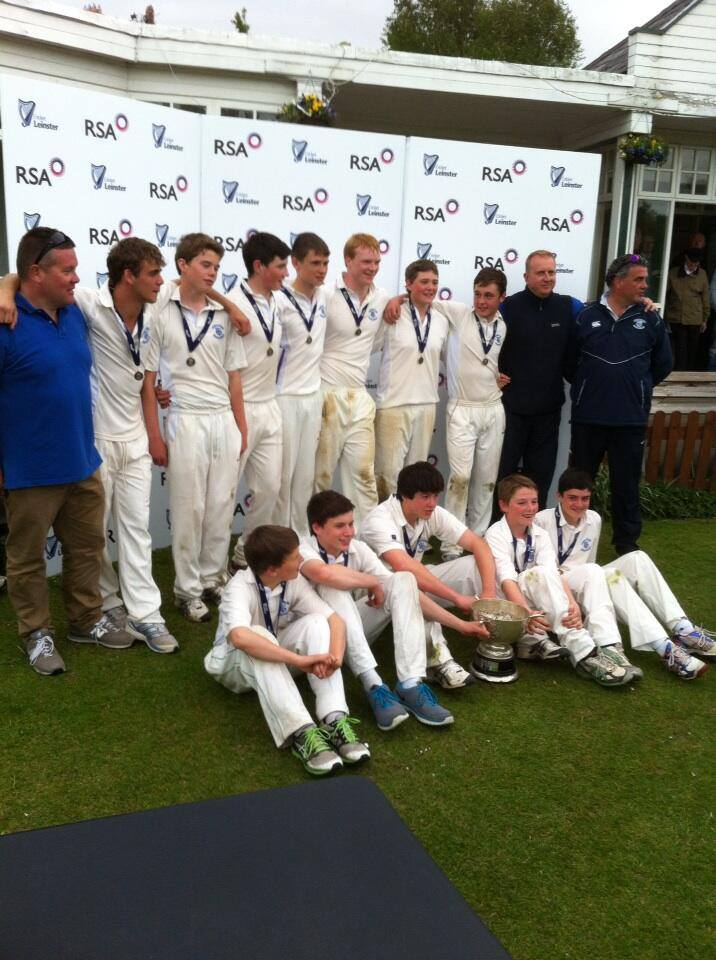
102 168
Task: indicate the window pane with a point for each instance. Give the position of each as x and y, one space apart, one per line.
664 182
687 158
648 180
703 160
235 112
190 107
265 115
650 238
686 183
701 184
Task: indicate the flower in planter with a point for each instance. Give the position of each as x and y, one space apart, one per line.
642 148
308 108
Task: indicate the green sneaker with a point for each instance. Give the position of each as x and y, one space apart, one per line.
602 670
346 744
615 652
312 748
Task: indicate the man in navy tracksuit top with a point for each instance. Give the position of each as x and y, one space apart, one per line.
622 353
538 354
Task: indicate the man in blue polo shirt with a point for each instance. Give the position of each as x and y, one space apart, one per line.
48 461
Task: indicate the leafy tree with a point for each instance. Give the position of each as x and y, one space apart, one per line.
541 32
240 22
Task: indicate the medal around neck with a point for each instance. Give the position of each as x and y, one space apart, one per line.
494 658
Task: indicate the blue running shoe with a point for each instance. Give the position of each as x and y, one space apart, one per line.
389 711
423 704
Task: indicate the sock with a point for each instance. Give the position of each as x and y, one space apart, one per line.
682 626
410 682
660 646
332 717
370 678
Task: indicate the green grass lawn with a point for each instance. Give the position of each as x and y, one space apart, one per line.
578 822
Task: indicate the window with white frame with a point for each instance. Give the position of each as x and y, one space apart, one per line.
694 170
659 179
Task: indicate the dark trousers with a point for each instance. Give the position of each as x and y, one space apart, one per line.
624 446
530 447
686 345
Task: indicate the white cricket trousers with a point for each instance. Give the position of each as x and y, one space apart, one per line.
203 471
402 435
278 694
473 438
412 636
260 467
347 441
588 583
642 598
542 588
126 472
301 416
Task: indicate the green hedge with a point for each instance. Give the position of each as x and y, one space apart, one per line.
659 501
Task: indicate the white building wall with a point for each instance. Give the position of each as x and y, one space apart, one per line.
682 59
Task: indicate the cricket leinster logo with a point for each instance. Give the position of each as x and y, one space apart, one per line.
423 250
26 108
228 281
430 162
102 278
489 212
298 148
158 132
362 202
31 220
555 175
161 230
229 188
99 171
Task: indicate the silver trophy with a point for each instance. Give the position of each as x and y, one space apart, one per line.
506 622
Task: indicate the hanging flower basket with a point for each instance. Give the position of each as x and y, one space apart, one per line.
642 148
309 108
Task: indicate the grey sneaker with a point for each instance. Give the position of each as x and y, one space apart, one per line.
105 633
41 653
155 635
615 652
387 708
118 616
312 748
539 648
602 670
679 661
449 675
194 610
422 703
345 743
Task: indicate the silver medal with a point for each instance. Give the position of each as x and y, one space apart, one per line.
421 359
138 375
190 361
358 331
269 352
484 361
309 339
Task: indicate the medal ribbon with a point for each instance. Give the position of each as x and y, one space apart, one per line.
133 351
486 347
357 317
190 342
411 550
265 606
422 342
324 556
562 554
307 321
529 553
268 333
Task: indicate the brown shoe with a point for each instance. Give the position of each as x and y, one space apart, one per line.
41 653
105 633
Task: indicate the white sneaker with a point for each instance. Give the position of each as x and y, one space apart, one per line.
615 652
602 670
679 661
344 742
449 675
194 610
539 648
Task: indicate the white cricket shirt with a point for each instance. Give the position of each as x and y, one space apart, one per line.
259 379
469 380
580 541
299 368
346 356
510 552
385 528
402 378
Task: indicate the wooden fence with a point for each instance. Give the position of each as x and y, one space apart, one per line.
681 448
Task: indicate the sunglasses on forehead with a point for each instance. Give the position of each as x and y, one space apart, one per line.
56 239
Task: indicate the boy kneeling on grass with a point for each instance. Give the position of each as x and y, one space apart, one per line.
272 622
528 574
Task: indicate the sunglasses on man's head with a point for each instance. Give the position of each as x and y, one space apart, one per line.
56 239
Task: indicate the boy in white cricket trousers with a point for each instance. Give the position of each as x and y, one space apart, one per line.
352 580
265 258
347 441
272 622
641 597
407 395
399 531
475 415
302 306
528 575
200 358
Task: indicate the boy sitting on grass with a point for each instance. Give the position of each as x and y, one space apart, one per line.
271 621
641 597
527 574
